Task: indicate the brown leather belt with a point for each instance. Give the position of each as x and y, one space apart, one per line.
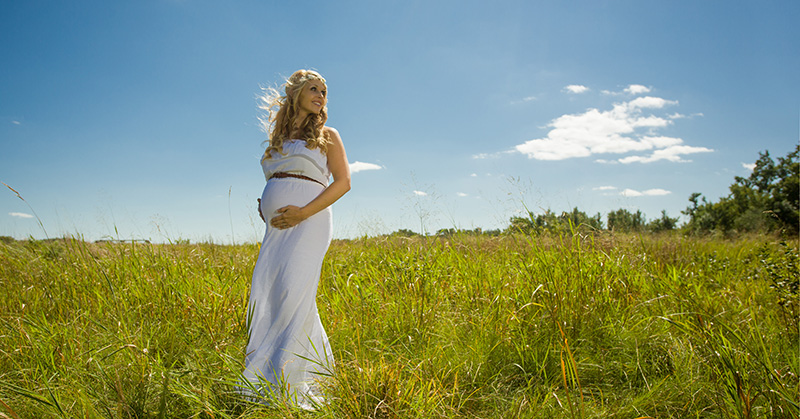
281 175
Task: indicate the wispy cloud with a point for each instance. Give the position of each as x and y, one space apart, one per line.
16 122
604 188
20 215
461 194
672 153
649 192
523 100
576 89
749 166
420 193
482 156
358 166
628 127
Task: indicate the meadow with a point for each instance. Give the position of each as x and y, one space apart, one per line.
515 326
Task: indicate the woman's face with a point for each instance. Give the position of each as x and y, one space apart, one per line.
313 97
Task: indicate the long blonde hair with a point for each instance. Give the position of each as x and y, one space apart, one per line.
280 113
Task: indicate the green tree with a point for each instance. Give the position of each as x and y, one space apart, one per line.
665 223
766 200
549 221
785 191
404 232
523 225
579 218
624 220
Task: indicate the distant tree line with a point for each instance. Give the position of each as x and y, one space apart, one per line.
766 201
621 220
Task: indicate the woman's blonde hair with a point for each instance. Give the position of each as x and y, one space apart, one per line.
280 112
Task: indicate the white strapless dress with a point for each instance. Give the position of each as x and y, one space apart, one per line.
287 347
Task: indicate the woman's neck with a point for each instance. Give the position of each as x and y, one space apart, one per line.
296 133
297 128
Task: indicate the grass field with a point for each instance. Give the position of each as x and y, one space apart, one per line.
604 326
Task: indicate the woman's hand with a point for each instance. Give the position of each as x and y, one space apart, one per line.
288 217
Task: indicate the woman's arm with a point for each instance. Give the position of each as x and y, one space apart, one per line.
291 215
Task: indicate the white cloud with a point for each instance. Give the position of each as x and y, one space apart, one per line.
358 166
656 192
662 142
420 193
576 88
649 192
473 175
749 166
16 122
630 192
637 89
461 194
650 102
672 153
651 121
633 89
604 188
20 215
627 127
678 115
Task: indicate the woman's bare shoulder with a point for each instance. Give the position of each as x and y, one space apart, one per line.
332 134
331 131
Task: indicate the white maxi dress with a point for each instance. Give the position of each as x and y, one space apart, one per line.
287 346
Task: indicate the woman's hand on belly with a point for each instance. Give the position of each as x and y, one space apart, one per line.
288 217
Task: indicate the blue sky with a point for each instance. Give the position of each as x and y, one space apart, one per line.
139 120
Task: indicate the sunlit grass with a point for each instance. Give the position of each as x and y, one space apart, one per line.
515 326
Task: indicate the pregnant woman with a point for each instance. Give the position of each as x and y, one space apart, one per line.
287 345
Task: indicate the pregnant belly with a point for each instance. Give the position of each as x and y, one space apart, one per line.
279 193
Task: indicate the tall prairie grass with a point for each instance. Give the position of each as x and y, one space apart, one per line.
573 326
